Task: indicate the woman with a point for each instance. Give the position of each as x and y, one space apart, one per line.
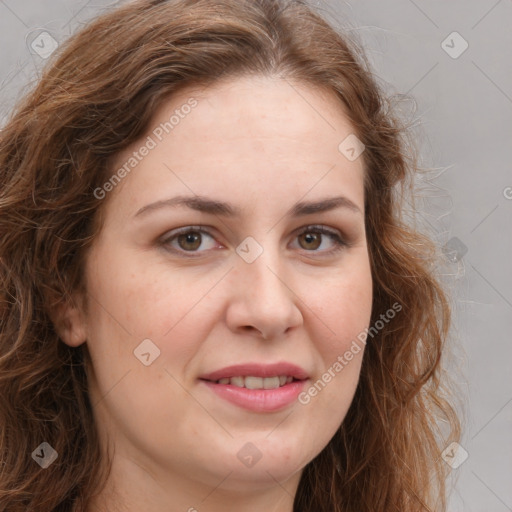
209 299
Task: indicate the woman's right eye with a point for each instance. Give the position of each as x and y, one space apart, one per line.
187 240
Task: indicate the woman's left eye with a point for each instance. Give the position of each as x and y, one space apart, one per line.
190 239
314 237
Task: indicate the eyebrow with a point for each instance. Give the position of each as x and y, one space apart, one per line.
208 205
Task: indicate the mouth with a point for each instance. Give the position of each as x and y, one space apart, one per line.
254 374
253 382
258 388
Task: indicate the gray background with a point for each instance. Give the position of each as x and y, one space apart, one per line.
463 128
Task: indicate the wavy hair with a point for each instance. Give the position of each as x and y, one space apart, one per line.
97 96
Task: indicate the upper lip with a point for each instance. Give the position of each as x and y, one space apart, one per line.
257 370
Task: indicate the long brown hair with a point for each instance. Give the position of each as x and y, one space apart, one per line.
95 98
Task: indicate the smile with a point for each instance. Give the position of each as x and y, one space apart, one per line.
251 382
258 387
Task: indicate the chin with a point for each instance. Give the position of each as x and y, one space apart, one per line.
261 476
268 461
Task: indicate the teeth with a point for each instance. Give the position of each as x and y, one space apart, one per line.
237 381
254 382
251 382
270 383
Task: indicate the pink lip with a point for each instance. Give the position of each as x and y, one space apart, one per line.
258 400
257 370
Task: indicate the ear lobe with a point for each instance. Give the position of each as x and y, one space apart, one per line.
69 324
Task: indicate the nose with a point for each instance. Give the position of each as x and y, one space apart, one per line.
263 299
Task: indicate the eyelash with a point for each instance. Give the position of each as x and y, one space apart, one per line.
334 235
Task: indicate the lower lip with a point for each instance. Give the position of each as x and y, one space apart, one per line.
258 400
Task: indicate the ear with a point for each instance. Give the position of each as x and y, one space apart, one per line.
69 322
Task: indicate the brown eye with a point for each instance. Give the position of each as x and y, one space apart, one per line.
190 241
311 240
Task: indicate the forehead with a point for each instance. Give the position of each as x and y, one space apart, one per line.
248 136
258 104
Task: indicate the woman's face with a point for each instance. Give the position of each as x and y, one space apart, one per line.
187 332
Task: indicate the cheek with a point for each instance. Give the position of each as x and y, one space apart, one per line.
139 296
133 302
344 306
342 313
130 304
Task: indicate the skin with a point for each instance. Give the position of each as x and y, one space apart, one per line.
262 144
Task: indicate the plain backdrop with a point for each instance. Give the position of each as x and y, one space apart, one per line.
450 58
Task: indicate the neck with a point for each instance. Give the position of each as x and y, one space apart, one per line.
134 488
